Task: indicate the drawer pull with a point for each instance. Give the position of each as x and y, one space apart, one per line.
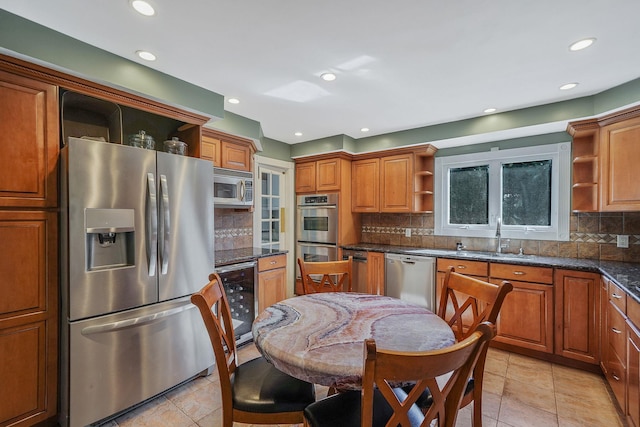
273 262
461 267
615 377
616 296
617 331
519 273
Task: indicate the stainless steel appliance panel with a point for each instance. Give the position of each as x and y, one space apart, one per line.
122 359
315 252
317 218
232 188
98 174
185 224
359 279
411 278
239 282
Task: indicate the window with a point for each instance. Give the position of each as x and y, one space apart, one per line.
527 188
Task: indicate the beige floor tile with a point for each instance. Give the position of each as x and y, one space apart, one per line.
497 362
490 405
536 373
464 419
199 402
573 410
517 414
530 395
158 413
493 383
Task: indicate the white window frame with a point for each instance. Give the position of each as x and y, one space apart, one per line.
559 154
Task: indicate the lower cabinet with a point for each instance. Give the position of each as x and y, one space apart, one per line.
272 280
633 375
28 318
577 315
526 317
375 273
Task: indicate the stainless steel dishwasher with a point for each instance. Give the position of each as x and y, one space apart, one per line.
411 278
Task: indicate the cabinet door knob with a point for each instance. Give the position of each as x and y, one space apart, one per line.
461 267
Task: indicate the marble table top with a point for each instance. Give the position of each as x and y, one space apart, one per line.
320 337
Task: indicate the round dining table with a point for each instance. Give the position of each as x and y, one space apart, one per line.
320 337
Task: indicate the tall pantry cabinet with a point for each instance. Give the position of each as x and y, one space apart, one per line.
29 134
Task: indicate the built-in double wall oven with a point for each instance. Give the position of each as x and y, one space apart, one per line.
317 227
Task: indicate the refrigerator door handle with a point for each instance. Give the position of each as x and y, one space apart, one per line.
165 225
152 225
135 321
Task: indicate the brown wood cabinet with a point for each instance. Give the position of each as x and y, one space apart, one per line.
29 140
396 183
28 316
577 315
605 152
226 151
526 317
615 342
375 273
365 185
29 137
272 280
324 175
633 373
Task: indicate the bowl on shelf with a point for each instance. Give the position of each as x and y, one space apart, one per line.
175 146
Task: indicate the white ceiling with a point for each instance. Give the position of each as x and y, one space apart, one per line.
400 65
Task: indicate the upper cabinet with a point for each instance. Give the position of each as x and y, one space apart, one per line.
322 175
398 180
226 151
29 140
605 151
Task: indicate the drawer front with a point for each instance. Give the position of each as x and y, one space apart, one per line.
616 377
521 273
471 268
633 311
618 297
272 262
616 327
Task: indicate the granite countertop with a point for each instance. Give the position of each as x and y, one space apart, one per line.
234 256
624 274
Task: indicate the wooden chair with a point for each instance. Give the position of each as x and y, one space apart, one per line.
380 403
465 303
254 392
335 275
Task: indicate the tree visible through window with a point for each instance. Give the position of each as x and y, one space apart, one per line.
526 193
469 189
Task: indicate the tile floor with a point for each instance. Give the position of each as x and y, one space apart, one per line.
518 391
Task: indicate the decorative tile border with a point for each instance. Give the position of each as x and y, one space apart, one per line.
224 233
601 238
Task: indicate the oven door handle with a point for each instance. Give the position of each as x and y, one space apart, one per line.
317 245
306 208
234 267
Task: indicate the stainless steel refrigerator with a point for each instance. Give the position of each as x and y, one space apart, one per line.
137 241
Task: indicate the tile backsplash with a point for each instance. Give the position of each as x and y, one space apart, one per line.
233 229
593 236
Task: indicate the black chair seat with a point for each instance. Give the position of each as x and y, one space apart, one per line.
343 410
259 387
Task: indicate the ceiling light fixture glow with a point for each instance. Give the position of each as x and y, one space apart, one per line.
233 101
364 130
147 56
298 134
490 110
143 7
328 77
568 86
581 44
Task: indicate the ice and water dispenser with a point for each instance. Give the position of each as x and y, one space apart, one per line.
110 235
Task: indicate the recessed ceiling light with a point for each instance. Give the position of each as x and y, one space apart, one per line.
568 86
328 77
298 134
143 7
490 110
233 101
364 130
582 44
147 56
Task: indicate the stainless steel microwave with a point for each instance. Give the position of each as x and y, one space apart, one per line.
232 188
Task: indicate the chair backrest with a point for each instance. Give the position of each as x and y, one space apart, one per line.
466 302
385 369
212 302
334 276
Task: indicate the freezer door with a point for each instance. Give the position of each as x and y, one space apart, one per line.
107 195
185 224
122 359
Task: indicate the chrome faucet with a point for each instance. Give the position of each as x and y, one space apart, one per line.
498 236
